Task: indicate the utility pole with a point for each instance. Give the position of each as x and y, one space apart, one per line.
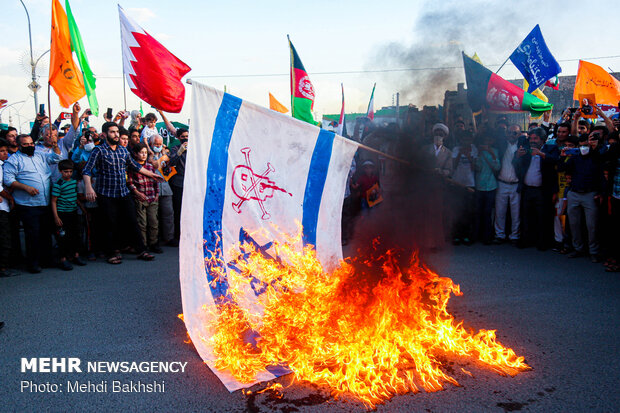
34 86
397 106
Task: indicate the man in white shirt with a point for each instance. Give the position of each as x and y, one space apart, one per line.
535 164
507 194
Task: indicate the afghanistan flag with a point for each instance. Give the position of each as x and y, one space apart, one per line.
486 89
302 91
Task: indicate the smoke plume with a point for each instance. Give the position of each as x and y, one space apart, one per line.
441 32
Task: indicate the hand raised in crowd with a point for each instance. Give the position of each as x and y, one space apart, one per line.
76 108
120 115
182 148
83 141
521 151
599 112
547 115
566 114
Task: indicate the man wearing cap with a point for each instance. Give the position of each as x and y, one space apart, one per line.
442 156
433 228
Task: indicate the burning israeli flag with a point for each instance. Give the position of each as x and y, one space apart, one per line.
253 175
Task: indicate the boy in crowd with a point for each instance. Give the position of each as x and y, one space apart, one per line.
150 129
146 194
6 201
64 208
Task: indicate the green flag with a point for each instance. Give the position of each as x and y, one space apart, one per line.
78 47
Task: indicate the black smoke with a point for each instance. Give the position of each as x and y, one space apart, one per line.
441 32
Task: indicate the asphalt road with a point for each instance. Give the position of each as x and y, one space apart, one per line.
562 315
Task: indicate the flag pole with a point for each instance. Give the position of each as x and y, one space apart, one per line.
500 68
49 105
124 92
292 74
120 27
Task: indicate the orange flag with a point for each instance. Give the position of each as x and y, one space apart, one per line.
65 77
275 105
594 79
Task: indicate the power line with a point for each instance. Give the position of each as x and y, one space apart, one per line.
353 72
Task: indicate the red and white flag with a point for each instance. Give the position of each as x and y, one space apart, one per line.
341 120
152 72
370 114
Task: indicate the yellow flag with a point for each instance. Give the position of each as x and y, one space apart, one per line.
540 95
476 58
275 105
64 77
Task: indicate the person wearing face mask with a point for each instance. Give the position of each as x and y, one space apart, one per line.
535 165
28 174
83 151
178 156
160 161
586 188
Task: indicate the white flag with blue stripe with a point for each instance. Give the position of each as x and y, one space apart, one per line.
250 169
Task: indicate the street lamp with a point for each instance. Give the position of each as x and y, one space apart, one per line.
8 106
34 85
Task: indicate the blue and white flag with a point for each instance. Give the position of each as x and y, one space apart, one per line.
250 169
534 60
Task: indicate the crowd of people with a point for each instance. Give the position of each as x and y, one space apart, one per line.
92 195
554 186
99 195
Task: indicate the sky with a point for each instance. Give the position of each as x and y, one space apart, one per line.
410 47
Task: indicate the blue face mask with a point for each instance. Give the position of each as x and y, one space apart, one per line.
157 149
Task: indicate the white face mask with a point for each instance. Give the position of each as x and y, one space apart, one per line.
156 149
584 150
89 146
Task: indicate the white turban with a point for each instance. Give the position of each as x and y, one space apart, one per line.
442 127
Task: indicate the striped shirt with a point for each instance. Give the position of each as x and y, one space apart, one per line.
111 169
66 191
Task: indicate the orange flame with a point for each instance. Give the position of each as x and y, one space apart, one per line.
371 334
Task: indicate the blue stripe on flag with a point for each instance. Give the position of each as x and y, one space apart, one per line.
214 196
317 175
